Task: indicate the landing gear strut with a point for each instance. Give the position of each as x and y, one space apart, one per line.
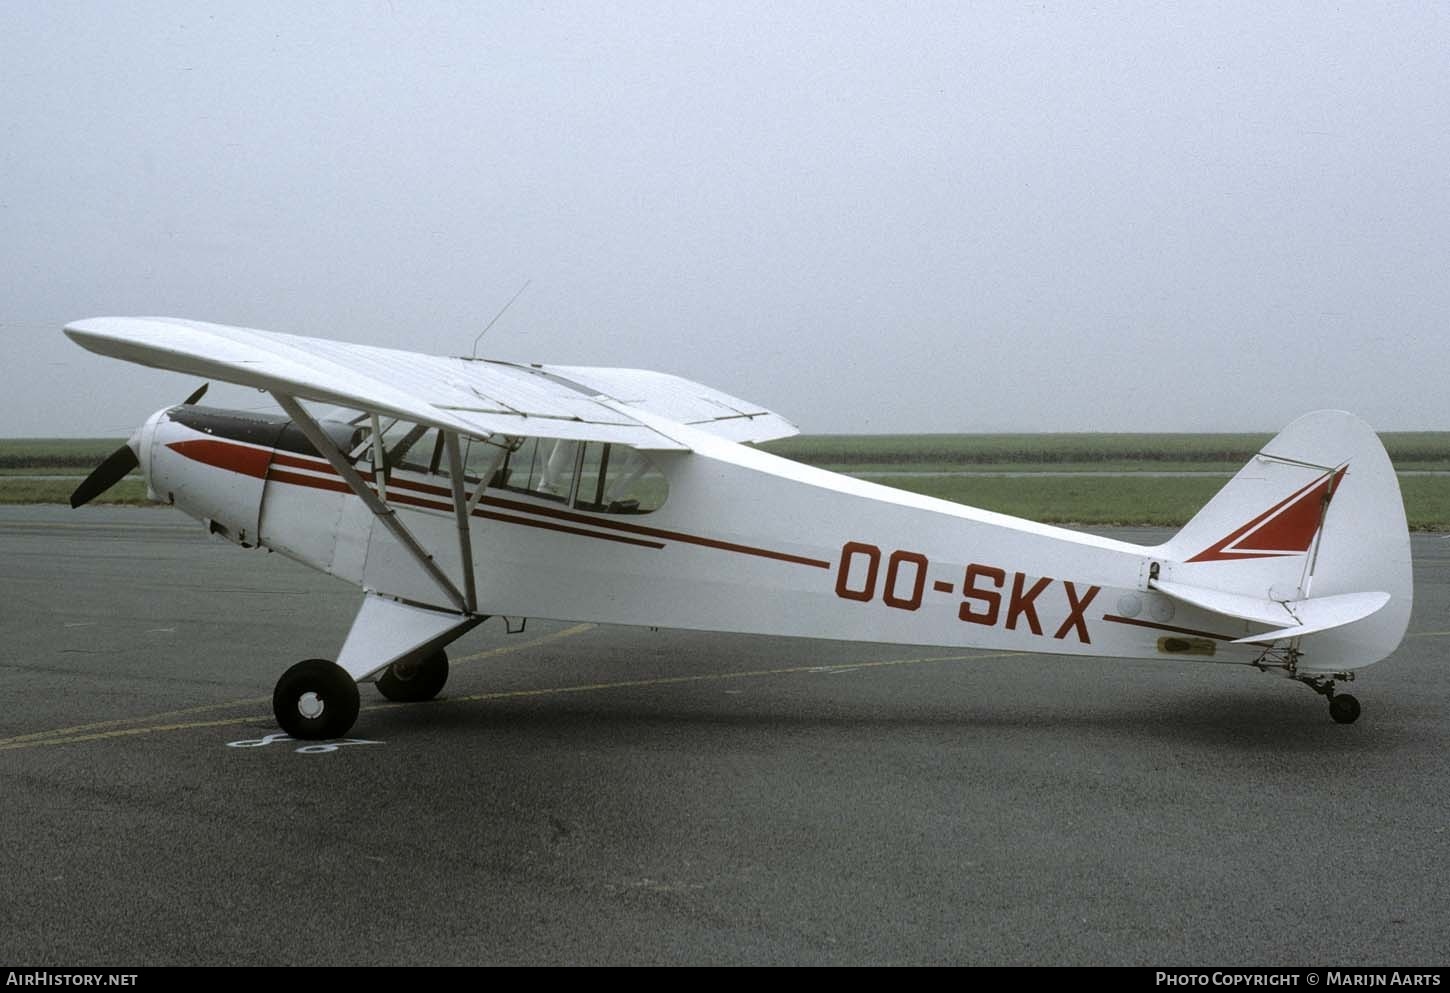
1342 707
416 681
315 699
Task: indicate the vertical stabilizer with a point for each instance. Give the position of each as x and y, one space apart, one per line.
1316 514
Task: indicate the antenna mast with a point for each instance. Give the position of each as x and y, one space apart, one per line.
474 353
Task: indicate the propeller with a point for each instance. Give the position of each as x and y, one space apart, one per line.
110 472
116 466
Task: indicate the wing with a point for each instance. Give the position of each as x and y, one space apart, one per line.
475 397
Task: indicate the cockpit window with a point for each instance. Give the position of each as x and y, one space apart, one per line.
481 457
412 446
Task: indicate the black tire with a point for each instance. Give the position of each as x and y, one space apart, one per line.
1343 708
315 699
417 681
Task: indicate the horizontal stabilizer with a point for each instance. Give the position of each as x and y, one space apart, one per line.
1321 614
1294 617
1260 610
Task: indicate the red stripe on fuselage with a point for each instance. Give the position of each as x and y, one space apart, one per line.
565 515
1114 618
640 529
240 458
225 455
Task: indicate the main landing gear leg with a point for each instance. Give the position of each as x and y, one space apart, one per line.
398 643
1342 707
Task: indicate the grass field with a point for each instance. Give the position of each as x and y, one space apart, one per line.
38 455
971 460
23 459
1168 502
1111 452
19 489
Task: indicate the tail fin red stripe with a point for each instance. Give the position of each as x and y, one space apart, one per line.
1287 528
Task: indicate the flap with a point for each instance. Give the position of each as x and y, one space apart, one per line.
682 400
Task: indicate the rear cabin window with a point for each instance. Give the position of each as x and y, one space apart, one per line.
603 479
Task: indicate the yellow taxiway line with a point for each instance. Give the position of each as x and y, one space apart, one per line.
101 730
92 732
71 733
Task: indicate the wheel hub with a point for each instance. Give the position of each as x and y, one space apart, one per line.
311 706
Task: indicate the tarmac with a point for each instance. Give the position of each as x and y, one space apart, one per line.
591 794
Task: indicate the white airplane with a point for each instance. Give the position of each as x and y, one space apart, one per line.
455 489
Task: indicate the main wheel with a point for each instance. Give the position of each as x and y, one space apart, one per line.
315 699
1343 708
414 682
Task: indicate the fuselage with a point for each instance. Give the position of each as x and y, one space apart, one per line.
722 538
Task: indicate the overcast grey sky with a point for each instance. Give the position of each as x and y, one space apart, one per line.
872 217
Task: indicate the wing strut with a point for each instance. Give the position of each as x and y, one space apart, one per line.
383 512
461 510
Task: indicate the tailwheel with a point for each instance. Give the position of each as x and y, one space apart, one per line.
415 681
1343 708
315 699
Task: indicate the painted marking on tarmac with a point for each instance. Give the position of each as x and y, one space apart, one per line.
261 742
546 691
314 748
117 728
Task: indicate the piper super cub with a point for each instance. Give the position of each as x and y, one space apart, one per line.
453 489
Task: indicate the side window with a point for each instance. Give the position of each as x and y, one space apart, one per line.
482 459
614 479
603 479
417 448
542 466
412 446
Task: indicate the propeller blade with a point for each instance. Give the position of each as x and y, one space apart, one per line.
119 463
104 476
